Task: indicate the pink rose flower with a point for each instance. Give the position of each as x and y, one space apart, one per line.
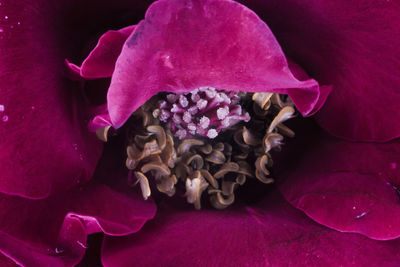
64 198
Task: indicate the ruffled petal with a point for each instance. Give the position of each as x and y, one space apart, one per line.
183 45
352 45
272 233
45 146
350 187
101 61
53 231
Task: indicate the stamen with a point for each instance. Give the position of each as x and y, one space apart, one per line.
204 107
209 141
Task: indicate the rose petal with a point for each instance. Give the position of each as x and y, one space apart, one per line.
351 45
45 146
350 187
272 233
53 231
101 61
101 119
182 45
300 74
6 261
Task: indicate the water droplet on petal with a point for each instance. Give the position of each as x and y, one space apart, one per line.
59 250
5 17
5 118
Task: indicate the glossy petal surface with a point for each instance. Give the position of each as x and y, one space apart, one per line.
352 45
272 233
350 187
53 231
183 45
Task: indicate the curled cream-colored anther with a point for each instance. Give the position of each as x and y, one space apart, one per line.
283 115
160 135
272 140
216 157
166 185
226 168
194 189
249 138
144 184
102 133
262 99
220 202
168 155
187 144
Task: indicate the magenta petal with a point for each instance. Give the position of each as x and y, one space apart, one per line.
350 187
270 234
101 118
44 146
6 261
101 61
183 45
352 45
53 231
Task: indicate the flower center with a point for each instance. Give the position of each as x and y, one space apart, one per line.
208 140
203 112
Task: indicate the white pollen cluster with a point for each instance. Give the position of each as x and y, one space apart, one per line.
204 111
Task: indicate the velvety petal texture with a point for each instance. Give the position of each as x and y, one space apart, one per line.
101 61
350 187
53 232
272 233
352 45
44 146
183 45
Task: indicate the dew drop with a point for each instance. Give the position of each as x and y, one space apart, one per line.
5 118
1 108
81 244
5 17
59 250
361 215
1 30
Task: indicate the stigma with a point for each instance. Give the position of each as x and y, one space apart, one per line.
210 142
203 112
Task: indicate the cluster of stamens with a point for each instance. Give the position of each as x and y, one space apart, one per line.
203 112
159 150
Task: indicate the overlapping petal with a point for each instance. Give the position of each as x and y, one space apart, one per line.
351 187
53 231
272 233
182 45
100 63
44 146
351 45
